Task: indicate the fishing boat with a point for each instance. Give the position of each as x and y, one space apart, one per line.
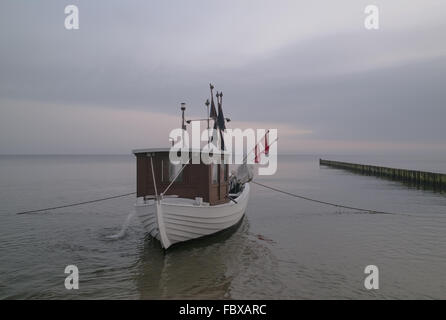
181 202
197 203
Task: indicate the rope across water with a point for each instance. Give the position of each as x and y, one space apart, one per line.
323 202
77 203
337 205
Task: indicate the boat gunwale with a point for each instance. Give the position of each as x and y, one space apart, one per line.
227 204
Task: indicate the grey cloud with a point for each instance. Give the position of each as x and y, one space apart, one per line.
346 83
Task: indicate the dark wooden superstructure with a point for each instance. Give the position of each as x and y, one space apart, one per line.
209 182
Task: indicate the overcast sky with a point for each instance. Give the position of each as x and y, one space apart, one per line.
308 68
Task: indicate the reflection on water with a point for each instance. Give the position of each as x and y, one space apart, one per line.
207 268
200 268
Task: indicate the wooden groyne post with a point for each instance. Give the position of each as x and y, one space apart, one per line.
430 180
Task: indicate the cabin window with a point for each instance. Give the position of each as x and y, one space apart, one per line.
173 171
215 173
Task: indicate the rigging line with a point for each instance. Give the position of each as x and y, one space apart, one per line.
325 202
184 166
77 204
153 176
246 156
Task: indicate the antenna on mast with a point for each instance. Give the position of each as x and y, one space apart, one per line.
183 108
207 103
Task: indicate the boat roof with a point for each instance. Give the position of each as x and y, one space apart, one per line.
150 150
159 150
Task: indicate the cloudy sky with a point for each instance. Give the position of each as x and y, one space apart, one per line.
308 68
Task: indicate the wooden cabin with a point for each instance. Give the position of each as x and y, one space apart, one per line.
209 182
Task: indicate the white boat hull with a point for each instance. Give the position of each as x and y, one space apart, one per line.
174 220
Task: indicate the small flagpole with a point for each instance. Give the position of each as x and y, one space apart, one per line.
183 124
208 118
246 157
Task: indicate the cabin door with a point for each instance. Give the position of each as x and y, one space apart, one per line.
219 183
223 183
215 184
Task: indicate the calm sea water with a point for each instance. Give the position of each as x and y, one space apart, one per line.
283 248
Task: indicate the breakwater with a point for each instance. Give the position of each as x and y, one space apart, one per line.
422 179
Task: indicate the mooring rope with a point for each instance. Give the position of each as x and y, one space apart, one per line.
77 203
324 202
257 183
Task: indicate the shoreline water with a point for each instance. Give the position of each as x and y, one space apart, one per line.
284 248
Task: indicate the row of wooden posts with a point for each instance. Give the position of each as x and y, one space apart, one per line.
436 181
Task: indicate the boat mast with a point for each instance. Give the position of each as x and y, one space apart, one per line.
183 124
207 103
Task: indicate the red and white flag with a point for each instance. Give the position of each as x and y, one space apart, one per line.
266 144
257 155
